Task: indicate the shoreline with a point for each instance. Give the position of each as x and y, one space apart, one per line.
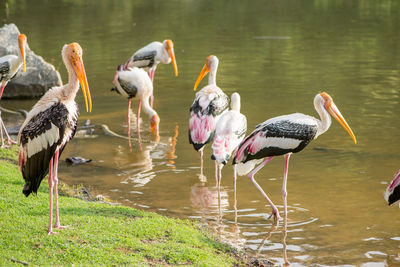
101 231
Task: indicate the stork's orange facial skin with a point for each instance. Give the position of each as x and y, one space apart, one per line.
334 111
77 63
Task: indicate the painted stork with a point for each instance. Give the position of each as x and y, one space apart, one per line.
9 66
229 132
151 55
135 83
208 106
392 193
49 126
285 135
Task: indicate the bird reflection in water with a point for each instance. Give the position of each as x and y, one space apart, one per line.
137 163
210 203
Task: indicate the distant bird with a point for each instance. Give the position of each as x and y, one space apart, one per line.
285 135
9 66
392 193
210 103
135 83
151 55
49 126
230 131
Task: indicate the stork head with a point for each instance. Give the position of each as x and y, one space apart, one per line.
119 68
73 54
334 111
169 46
212 62
154 123
22 42
392 193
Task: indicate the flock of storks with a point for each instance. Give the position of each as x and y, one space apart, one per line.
52 122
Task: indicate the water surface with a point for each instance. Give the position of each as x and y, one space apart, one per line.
278 56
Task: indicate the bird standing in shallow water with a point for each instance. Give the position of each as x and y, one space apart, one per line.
392 193
135 83
151 55
229 132
9 66
285 135
208 106
49 126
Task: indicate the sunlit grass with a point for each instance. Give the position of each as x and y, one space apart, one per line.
99 234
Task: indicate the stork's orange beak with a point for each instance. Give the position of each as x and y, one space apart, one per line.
334 111
202 74
21 43
171 53
79 69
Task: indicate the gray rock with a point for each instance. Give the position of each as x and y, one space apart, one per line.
39 76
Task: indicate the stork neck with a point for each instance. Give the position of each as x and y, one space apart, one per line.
72 87
212 76
147 108
325 122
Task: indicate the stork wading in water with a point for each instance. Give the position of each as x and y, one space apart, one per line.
9 66
229 132
135 83
151 55
208 106
392 193
49 126
285 135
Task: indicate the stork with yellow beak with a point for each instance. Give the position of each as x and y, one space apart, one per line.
9 66
208 106
284 135
150 56
49 126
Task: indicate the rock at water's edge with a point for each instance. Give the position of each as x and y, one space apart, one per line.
39 76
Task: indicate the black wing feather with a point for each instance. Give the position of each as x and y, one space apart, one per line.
36 166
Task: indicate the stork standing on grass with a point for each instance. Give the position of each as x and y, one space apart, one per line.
49 126
285 135
230 131
151 55
9 66
208 106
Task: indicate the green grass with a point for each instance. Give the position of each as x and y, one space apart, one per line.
99 234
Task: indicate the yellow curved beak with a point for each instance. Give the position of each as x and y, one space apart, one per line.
171 54
81 74
334 111
21 43
202 74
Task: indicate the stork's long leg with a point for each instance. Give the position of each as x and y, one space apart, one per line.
129 123
275 211
51 185
284 196
138 118
1 133
55 179
201 176
284 191
9 140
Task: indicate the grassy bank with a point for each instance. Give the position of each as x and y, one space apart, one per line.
99 234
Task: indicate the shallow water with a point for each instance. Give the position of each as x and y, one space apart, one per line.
278 56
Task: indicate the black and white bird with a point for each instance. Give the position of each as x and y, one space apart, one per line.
135 83
392 193
9 66
285 135
49 126
208 106
151 55
229 132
